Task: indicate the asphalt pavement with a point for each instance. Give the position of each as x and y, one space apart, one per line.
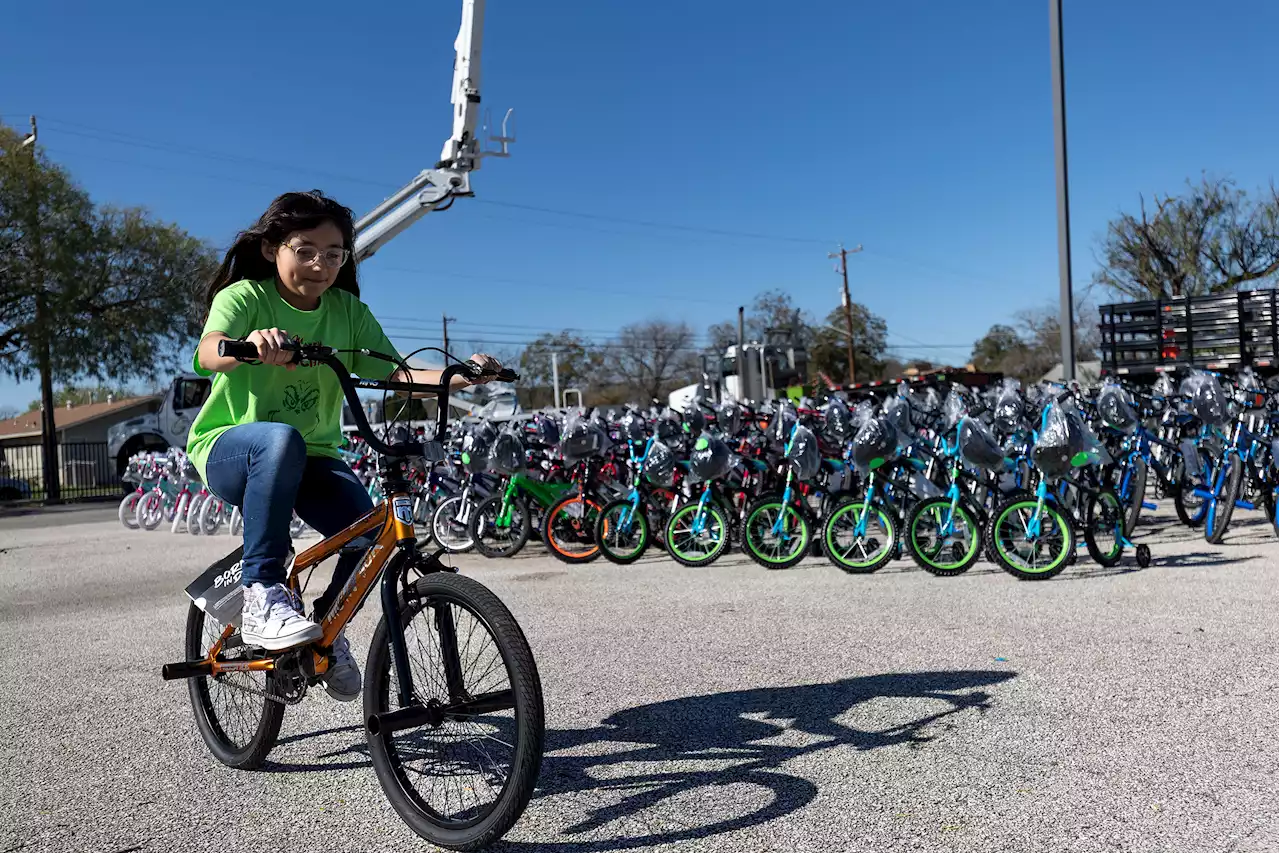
725 709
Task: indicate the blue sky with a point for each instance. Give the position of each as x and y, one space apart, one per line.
921 130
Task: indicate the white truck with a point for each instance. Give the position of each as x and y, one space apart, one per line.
764 372
432 189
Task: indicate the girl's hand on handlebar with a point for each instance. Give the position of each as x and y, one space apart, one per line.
271 345
488 364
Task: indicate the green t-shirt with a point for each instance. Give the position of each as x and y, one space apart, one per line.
308 397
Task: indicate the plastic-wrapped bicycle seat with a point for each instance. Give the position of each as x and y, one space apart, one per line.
953 409
475 447
507 455
1062 444
898 413
632 426
729 418
978 447
668 424
803 453
1207 399
783 420
710 458
837 420
660 465
1115 410
543 429
582 439
875 444
1009 412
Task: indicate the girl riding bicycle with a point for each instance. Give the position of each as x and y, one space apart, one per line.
267 438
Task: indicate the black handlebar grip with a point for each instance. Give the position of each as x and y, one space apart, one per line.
239 350
506 374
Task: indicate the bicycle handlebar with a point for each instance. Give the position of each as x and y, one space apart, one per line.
247 351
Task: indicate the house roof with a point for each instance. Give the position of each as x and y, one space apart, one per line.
28 423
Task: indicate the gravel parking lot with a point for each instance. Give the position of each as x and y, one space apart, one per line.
730 709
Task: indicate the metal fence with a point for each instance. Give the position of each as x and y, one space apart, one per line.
85 472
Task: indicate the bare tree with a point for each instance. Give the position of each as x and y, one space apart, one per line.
1213 239
652 356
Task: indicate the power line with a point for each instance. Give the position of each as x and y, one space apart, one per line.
649 224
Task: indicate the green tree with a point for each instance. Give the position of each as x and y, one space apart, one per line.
991 349
1214 238
579 363
1034 347
87 292
771 309
828 352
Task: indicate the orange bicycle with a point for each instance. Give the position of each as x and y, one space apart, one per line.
452 699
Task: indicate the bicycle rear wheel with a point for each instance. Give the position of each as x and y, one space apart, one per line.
237 722
463 782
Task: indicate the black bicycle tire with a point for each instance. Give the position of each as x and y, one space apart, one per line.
1137 494
251 755
522 533
1091 537
525 683
1181 483
1225 506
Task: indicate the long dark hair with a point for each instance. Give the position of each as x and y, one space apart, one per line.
288 213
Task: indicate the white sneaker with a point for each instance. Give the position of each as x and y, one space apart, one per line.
342 679
272 618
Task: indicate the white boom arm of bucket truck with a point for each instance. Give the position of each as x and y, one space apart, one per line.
431 190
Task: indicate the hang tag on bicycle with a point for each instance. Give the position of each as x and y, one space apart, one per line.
219 591
574 509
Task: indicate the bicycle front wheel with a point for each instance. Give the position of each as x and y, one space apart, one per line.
622 532
1103 526
449 527
943 541
859 551
775 535
500 528
697 537
1030 549
1223 505
569 529
462 782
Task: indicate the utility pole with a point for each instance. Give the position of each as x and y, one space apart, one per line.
444 325
843 269
44 358
555 379
740 360
1066 309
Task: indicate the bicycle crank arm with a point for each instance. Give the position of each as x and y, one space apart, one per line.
390 722
186 669
1150 505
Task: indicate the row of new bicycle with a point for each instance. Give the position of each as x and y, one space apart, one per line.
1020 476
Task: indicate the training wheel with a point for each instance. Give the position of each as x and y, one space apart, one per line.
1143 556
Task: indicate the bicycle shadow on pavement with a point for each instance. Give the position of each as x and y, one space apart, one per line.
641 777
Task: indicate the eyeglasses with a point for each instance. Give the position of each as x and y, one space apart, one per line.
310 254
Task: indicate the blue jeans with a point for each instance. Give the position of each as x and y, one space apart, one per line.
264 469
